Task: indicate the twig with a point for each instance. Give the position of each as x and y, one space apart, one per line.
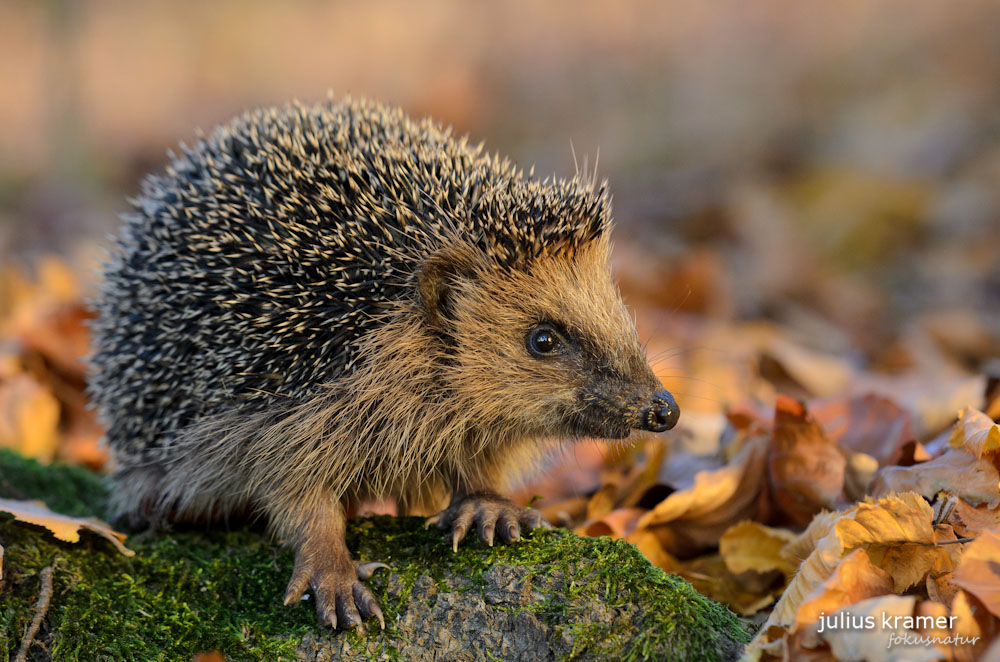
41 607
956 541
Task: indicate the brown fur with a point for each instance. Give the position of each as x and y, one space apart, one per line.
446 398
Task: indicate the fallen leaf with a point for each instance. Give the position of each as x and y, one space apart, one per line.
872 424
751 546
976 432
893 520
29 417
806 469
799 549
970 521
858 475
912 452
618 523
974 479
745 593
63 527
693 519
816 372
209 656
978 572
977 625
864 644
650 546
854 579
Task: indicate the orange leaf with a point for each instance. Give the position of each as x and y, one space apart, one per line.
29 417
870 424
978 572
806 468
853 580
63 527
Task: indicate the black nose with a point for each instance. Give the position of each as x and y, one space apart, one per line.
661 414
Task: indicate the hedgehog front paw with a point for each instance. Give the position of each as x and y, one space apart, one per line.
490 514
335 582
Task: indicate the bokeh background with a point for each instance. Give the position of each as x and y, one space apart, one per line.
806 192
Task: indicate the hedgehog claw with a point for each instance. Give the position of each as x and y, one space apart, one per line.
335 582
492 515
366 570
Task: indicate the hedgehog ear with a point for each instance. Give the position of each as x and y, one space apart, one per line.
436 280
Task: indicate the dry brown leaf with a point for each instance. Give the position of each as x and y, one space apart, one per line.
63 527
693 519
864 644
970 521
60 334
818 373
751 546
854 579
745 593
976 432
869 423
891 521
974 623
209 656
799 549
618 523
912 452
938 627
806 469
29 418
650 546
976 480
978 572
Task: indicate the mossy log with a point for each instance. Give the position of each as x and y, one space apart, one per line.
552 596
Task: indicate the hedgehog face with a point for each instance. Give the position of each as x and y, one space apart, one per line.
549 350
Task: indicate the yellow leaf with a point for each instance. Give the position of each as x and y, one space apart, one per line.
976 432
29 417
63 527
690 520
751 546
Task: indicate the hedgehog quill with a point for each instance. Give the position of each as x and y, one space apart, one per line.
316 305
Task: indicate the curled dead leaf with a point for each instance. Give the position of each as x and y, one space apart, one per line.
693 519
806 469
751 546
978 571
975 480
976 432
871 644
63 527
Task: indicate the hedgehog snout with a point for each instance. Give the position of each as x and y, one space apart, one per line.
660 414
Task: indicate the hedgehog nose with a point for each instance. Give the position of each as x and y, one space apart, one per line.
661 414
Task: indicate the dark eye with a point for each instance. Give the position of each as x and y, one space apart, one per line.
543 340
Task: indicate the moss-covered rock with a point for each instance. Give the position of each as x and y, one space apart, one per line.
554 596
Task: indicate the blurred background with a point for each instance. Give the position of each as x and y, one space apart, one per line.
806 193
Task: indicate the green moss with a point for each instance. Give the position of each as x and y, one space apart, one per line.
198 590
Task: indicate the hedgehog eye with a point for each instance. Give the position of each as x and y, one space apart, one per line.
543 340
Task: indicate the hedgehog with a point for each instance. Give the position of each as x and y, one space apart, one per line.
317 305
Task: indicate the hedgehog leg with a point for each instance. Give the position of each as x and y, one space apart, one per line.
323 566
490 514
